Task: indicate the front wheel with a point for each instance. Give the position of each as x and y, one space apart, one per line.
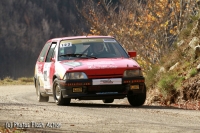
138 99
40 98
57 94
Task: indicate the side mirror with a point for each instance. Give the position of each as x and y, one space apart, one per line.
132 53
53 59
41 59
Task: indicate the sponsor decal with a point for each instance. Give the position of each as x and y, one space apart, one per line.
107 81
101 65
89 40
73 64
109 40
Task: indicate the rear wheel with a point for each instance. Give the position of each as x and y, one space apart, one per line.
108 100
57 94
40 98
137 100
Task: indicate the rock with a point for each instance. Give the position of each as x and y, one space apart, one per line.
174 66
162 70
180 43
198 67
194 42
155 99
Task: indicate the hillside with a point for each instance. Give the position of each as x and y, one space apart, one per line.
176 80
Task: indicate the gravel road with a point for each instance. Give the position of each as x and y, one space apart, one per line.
19 108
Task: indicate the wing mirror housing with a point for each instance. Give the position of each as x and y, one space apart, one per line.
132 53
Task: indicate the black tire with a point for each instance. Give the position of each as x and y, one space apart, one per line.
40 98
57 94
108 100
138 99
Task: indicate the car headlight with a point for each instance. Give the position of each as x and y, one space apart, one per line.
75 75
132 73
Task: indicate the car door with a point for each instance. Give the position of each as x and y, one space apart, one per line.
49 67
40 65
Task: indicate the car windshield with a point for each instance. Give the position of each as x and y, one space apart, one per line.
90 48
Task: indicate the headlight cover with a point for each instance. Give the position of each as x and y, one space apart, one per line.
75 75
133 73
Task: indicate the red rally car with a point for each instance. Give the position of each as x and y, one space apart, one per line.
88 68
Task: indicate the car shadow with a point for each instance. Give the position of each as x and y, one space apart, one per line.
96 105
92 105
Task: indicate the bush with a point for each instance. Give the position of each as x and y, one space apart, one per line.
186 32
178 82
151 76
193 72
166 84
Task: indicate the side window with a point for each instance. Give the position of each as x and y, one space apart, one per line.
43 52
119 50
116 51
51 52
112 49
115 48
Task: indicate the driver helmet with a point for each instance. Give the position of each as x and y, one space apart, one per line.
70 50
98 48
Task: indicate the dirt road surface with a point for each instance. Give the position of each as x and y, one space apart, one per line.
19 108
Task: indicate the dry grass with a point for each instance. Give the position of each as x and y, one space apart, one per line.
19 81
13 130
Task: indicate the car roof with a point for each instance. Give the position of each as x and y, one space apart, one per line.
77 37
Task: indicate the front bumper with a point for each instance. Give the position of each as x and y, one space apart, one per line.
99 92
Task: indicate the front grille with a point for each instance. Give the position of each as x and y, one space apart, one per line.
104 76
106 88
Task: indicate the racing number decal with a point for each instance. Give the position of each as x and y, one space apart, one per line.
45 75
69 44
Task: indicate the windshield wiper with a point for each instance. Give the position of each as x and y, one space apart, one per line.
88 56
80 55
68 55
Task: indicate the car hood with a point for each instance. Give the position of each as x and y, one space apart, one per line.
98 67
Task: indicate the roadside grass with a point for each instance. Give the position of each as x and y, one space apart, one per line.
13 130
166 84
19 81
